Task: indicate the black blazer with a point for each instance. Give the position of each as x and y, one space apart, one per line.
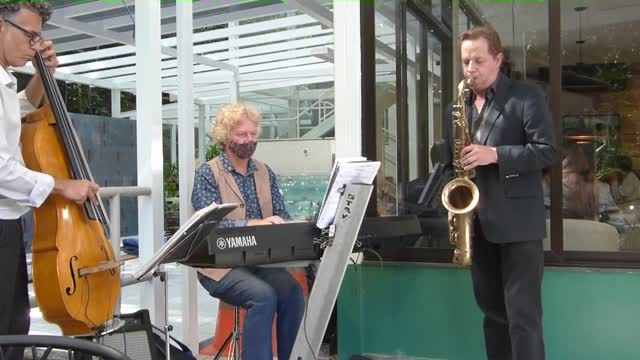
518 124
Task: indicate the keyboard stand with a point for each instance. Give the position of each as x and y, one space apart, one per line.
333 266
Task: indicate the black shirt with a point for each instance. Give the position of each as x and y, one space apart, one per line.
475 118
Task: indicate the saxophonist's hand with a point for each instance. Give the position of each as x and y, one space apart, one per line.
478 155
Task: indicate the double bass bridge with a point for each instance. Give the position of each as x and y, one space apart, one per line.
104 266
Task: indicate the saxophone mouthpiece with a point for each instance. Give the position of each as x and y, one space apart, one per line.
470 82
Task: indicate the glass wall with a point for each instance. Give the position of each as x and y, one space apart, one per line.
600 125
386 107
594 105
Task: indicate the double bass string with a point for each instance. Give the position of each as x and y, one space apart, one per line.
79 165
78 161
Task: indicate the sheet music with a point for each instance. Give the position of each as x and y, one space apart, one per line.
345 171
184 232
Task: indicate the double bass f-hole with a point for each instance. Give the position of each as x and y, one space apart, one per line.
72 271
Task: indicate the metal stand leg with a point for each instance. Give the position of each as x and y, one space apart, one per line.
164 277
224 346
235 335
335 259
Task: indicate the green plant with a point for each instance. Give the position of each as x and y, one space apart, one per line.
171 177
212 151
608 159
171 180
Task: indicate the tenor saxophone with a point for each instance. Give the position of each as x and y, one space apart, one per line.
460 196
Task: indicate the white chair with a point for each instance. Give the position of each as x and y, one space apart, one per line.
586 235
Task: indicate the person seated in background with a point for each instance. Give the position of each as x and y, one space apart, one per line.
578 185
235 177
546 190
625 185
583 196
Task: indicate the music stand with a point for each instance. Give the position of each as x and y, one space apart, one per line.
432 186
179 248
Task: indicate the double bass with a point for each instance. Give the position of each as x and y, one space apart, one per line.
76 276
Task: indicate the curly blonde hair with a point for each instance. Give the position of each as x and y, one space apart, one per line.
228 118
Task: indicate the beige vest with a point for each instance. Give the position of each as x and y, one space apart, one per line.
230 193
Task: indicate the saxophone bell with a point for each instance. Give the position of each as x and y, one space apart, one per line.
460 197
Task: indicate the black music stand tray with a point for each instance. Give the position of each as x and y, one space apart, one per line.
180 247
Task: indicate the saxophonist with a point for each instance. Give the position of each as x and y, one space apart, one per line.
512 140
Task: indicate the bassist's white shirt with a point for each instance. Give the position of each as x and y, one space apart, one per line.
20 188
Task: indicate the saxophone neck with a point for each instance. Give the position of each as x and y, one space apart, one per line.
468 174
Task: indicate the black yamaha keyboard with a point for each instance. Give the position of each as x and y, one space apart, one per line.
256 245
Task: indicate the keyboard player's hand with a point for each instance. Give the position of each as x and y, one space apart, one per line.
266 221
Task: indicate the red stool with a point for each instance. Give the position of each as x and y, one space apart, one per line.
225 331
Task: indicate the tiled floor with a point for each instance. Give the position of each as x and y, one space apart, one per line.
207 305
207 308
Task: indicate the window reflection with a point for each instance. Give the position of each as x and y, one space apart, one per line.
525 46
601 189
386 123
599 114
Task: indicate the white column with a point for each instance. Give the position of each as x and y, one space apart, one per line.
455 54
431 68
346 39
186 156
115 103
173 144
203 127
412 113
149 135
234 86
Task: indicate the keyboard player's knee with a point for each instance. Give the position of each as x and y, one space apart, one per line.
264 299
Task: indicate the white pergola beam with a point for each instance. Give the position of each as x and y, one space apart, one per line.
115 22
204 99
319 37
124 50
322 69
198 23
314 9
247 69
203 71
115 36
92 7
294 21
80 79
170 111
256 51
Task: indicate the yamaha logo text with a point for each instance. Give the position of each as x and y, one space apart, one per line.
233 242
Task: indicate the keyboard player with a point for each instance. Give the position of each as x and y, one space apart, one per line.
235 177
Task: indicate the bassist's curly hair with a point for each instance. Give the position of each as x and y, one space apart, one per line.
42 8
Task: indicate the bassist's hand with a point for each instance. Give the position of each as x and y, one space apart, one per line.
76 190
48 54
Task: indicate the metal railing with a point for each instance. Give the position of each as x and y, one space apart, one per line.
113 194
324 106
